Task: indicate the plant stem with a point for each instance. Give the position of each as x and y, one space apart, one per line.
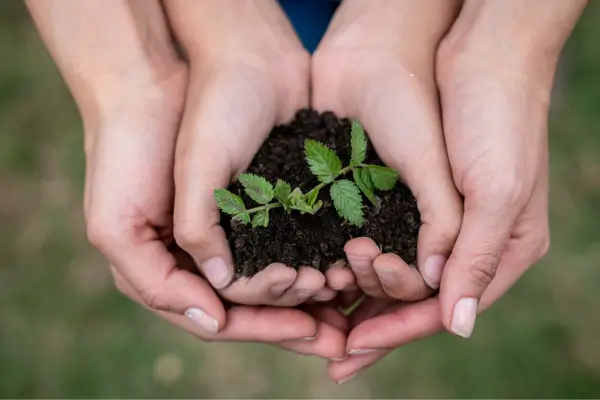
342 172
261 208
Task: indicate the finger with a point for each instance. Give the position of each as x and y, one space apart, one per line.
472 266
254 324
328 315
161 285
399 280
370 308
339 277
201 167
360 253
323 295
330 343
398 325
344 370
423 165
267 287
308 283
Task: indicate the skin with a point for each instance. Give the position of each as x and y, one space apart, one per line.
478 166
494 70
150 122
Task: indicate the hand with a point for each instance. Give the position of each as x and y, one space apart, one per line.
131 96
495 104
248 73
376 64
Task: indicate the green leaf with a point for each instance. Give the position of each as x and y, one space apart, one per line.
323 162
317 206
258 188
383 178
228 202
347 201
311 197
282 192
261 218
243 218
362 177
298 202
358 142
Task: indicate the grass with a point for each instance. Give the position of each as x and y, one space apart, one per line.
65 332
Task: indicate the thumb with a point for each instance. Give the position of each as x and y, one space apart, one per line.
413 144
472 266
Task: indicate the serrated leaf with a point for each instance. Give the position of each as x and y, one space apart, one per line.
243 218
362 178
358 143
228 202
282 192
347 201
311 197
323 162
261 218
258 188
383 178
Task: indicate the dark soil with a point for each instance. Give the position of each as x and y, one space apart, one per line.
316 240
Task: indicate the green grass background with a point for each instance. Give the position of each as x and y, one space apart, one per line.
65 332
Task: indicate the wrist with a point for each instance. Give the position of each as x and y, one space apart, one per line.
515 34
227 32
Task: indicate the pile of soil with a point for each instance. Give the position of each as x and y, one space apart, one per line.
316 240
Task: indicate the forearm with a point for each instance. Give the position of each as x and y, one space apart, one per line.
412 28
519 34
106 50
214 31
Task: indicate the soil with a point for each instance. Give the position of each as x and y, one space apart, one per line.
316 240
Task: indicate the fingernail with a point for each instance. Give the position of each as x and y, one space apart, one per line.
432 270
360 263
308 338
463 320
387 276
217 272
339 358
359 352
202 319
346 379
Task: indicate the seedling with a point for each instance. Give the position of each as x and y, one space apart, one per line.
327 167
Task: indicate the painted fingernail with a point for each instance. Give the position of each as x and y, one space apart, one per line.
202 319
360 263
217 272
308 338
387 276
360 352
432 270
463 319
346 379
337 359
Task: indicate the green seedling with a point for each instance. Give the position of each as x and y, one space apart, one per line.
327 168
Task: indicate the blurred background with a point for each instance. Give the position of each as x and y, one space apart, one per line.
66 332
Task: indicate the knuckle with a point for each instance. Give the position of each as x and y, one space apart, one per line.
544 244
483 269
102 234
190 236
154 299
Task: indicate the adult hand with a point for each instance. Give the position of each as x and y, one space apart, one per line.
248 72
494 70
130 87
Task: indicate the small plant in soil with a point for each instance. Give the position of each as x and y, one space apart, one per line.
314 184
327 167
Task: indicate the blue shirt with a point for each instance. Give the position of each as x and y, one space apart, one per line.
310 19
